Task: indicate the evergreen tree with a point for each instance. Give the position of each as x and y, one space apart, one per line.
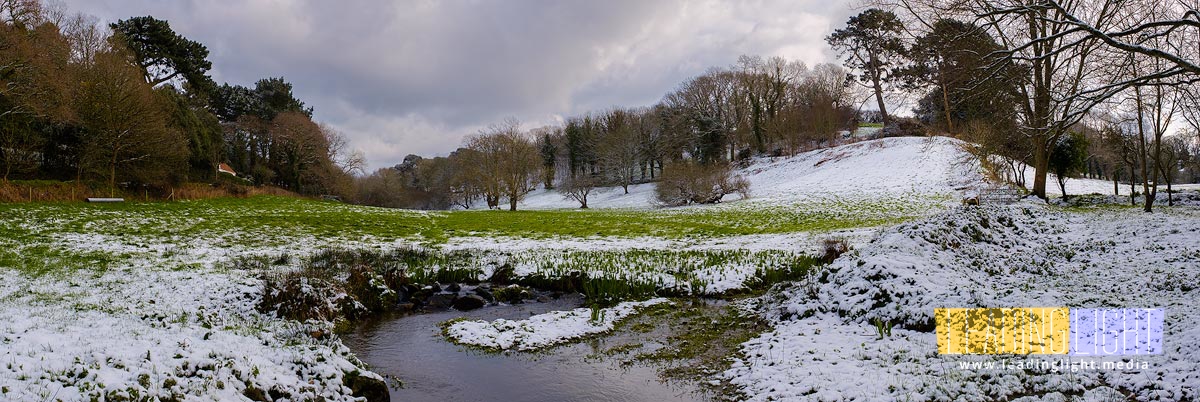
163 54
871 42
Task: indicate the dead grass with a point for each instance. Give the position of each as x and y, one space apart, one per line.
60 191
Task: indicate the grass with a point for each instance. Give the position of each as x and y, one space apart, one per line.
33 235
697 338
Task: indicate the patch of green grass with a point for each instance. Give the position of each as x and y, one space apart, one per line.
699 339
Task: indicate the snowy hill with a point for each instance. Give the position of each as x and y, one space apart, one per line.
875 168
888 166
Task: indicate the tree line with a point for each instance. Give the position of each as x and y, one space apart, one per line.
691 139
1102 89
130 104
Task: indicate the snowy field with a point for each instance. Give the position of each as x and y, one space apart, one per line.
825 346
143 300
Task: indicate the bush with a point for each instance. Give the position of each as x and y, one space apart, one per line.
903 127
833 248
686 183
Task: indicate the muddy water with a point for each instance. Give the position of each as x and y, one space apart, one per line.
411 349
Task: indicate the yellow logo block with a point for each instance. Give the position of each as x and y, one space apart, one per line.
995 331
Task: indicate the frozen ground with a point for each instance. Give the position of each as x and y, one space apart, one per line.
825 346
885 167
138 331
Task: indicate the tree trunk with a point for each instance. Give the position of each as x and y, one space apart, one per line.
945 100
1062 186
512 202
112 176
1041 164
1132 189
876 76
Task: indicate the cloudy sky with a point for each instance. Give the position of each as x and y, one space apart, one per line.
415 77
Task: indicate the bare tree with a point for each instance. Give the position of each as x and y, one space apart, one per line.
618 149
508 162
578 188
126 125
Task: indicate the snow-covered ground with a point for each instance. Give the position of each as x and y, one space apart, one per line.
874 168
138 331
543 330
162 315
825 346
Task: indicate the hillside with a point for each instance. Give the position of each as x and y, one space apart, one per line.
875 168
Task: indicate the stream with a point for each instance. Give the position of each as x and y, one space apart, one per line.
410 348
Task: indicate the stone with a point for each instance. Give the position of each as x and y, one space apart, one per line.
369 388
503 274
485 293
441 300
469 302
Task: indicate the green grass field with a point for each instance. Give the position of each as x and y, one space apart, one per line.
32 234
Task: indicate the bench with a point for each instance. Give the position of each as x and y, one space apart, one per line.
105 200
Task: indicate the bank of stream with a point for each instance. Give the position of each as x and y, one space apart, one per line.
421 365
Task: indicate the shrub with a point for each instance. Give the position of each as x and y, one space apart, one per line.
833 248
686 183
903 127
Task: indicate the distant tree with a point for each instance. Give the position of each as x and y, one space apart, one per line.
204 133
580 137
299 150
701 119
949 58
618 152
165 55
275 95
507 161
871 42
1069 158
126 124
465 184
1175 151
35 87
578 189
230 102
548 150
688 182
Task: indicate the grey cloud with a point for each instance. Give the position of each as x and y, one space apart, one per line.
417 76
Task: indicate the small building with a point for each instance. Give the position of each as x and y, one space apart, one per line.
224 168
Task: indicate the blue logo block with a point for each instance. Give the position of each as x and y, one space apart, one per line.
1120 331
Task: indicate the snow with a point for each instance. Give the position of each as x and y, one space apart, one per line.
1025 255
543 330
885 167
138 331
874 168
169 318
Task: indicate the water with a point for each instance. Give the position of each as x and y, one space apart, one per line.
412 349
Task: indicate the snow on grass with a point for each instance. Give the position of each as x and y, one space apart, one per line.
868 169
1026 255
543 330
141 332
